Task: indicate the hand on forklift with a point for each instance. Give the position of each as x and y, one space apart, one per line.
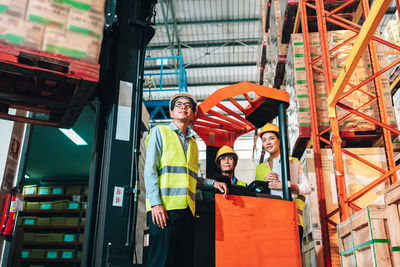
222 187
159 215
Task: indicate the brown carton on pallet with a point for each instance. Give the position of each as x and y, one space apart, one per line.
364 238
392 199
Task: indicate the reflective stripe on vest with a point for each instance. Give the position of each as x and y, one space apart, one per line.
177 173
262 170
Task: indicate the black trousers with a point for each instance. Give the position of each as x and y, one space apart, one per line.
173 245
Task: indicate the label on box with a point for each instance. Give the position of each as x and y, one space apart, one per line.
43 191
118 196
51 254
68 238
25 254
57 191
30 191
73 205
46 206
66 255
29 221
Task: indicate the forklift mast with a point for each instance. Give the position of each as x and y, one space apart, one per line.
113 183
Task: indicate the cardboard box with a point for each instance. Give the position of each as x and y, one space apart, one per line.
41 237
86 22
71 221
60 204
38 254
73 189
43 221
82 4
29 237
44 190
32 206
71 44
15 8
48 13
69 238
55 237
29 189
57 221
45 205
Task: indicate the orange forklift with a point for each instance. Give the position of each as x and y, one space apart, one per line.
251 228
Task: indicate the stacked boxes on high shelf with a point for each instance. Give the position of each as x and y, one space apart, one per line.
71 28
277 50
48 221
357 176
296 86
392 35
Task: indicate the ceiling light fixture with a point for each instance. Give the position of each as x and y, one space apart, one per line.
71 134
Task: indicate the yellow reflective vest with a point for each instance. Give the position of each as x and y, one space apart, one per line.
177 173
262 170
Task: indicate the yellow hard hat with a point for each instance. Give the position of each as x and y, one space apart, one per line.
223 151
269 127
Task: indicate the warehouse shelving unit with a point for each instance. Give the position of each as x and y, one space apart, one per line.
329 15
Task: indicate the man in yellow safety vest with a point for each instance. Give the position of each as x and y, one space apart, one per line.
227 159
170 176
270 171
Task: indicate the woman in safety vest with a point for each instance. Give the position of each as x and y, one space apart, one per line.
227 160
270 171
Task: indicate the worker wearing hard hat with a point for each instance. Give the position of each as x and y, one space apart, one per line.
227 159
170 176
270 171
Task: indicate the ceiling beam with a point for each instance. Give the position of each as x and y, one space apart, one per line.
222 21
167 28
209 43
178 39
202 66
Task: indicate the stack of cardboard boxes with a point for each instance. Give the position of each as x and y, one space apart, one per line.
297 87
71 28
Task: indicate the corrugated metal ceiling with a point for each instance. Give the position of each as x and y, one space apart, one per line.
220 43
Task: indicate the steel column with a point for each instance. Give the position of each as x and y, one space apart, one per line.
315 135
381 100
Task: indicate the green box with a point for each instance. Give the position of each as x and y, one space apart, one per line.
86 190
38 254
73 190
45 205
52 254
41 237
73 205
60 204
44 190
25 254
84 205
29 190
32 205
43 221
81 235
67 254
69 237
57 190
56 237
29 237
71 221
29 220
57 221
79 255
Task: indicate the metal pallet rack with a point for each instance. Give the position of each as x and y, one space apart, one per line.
321 16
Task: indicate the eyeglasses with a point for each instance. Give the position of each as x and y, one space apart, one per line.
186 104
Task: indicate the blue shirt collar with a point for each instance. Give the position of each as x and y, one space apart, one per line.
189 132
234 181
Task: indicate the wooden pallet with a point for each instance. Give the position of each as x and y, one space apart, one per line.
392 200
312 254
364 238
